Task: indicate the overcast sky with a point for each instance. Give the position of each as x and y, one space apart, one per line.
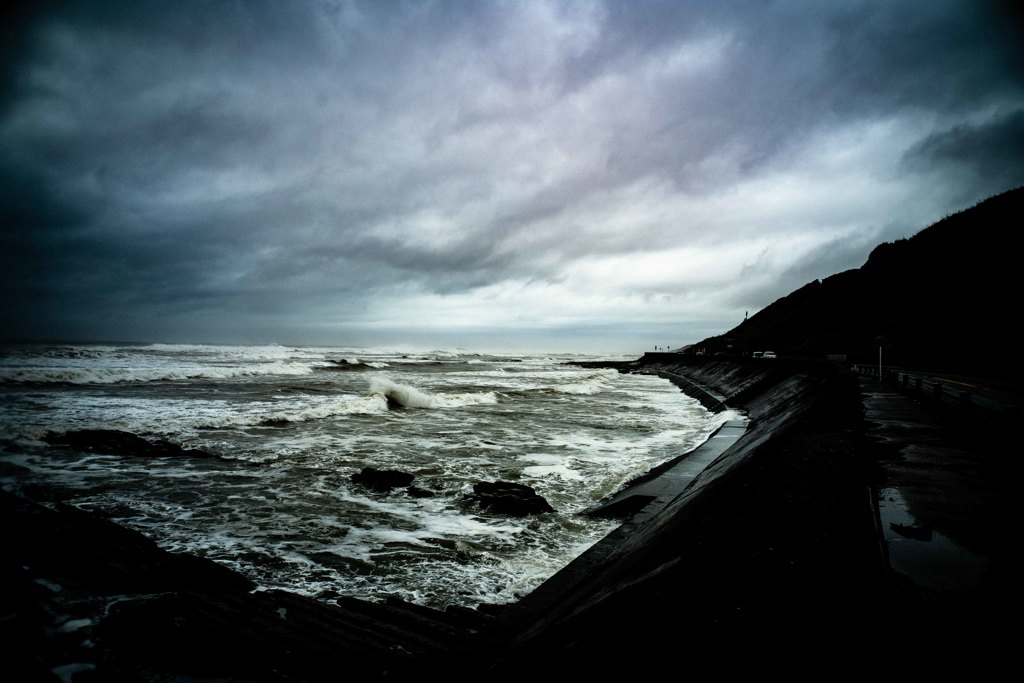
600 176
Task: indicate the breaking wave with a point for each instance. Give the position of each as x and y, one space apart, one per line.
592 384
410 397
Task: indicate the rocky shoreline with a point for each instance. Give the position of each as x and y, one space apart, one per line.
771 558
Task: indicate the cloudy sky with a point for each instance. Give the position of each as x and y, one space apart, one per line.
601 176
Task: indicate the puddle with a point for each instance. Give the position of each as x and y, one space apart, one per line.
933 560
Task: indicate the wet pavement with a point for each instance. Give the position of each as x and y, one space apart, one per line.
941 483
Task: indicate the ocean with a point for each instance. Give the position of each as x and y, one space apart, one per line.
289 426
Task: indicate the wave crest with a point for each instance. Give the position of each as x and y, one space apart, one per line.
409 397
592 384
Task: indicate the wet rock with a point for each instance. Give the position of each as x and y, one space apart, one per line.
417 492
507 498
342 364
117 442
382 480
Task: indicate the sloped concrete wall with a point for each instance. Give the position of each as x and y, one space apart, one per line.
773 394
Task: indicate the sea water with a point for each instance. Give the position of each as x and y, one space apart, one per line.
289 426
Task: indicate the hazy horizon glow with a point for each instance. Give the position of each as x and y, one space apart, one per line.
591 176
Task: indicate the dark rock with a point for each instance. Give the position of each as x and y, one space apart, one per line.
342 364
159 616
507 498
117 442
382 480
417 492
88 553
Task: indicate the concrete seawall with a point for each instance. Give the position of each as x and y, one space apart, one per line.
792 471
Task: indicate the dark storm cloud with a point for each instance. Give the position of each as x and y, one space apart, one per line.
792 68
179 166
994 150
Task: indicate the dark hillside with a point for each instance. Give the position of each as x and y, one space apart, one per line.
943 299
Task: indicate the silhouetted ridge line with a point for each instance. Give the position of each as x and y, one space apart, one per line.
943 299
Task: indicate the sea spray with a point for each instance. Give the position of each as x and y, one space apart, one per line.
405 396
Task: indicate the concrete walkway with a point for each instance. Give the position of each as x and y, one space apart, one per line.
943 511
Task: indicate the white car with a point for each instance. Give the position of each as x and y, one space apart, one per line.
769 354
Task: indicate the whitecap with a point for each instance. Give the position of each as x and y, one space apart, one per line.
592 384
365 405
547 471
410 397
116 375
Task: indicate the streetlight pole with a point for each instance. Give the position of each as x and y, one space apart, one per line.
881 342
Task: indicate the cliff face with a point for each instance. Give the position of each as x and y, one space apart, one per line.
943 299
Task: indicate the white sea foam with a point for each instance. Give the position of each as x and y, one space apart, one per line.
117 375
729 416
365 405
592 384
410 397
178 418
546 471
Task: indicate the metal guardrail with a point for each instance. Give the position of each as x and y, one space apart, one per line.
942 392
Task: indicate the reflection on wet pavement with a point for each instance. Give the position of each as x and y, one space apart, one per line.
931 559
